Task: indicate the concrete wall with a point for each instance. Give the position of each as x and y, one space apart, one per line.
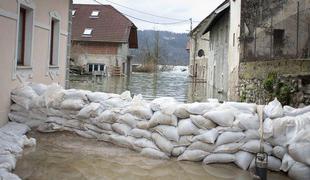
110 54
39 71
217 77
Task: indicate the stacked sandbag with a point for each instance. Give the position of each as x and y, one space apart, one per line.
210 132
12 142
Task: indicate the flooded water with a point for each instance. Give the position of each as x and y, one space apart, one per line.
173 84
64 156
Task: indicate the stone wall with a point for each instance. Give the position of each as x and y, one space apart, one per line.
286 79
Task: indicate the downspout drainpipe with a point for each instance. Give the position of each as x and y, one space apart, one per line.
194 56
67 85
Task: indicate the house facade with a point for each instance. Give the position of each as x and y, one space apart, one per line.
252 41
33 45
101 38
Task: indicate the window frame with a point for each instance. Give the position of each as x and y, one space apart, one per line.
87 34
96 15
54 49
73 12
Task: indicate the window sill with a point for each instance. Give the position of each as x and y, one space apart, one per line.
24 68
53 67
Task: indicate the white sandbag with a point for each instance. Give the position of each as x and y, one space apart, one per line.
92 110
123 141
18 108
64 122
143 125
201 146
145 143
7 161
6 175
128 119
101 125
143 112
186 127
107 116
302 136
245 107
75 94
268 128
140 133
170 132
72 104
14 128
247 121
12 147
287 162
273 109
16 117
114 103
243 159
251 134
279 151
38 88
290 111
299 171
94 128
202 122
22 101
229 137
233 128
24 91
181 111
121 129
159 118
300 152
193 155
208 137
97 96
164 144
228 148
219 158
201 108
185 140
153 153
29 142
159 104
274 163
253 146
54 95
177 151
221 117
126 96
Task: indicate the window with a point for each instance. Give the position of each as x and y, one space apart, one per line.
73 12
278 41
54 42
94 14
201 53
95 67
101 67
87 31
21 37
234 36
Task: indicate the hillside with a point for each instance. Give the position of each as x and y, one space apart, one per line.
172 47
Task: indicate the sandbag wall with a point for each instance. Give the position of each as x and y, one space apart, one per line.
210 132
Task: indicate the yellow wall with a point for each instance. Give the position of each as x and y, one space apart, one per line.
40 57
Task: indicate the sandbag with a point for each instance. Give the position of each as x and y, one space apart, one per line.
268 128
287 162
7 161
181 111
244 107
143 125
202 122
159 118
14 128
177 151
243 159
159 104
38 88
186 127
221 117
219 158
170 132
24 91
290 111
121 129
300 152
274 163
145 143
97 96
299 171
153 153
228 148
273 109
140 133
22 101
164 144
193 155
185 140
229 137
92 110
201 146
128 119
201 108
140 111
123 141
207 137
5 175
253 146
247 121
251 134
75 94
107 116
101 125
279 151
72 104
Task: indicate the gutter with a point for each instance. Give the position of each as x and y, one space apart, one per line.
67 85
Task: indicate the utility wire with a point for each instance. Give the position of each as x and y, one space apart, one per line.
148 21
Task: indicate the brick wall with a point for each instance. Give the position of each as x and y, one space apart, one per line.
95 48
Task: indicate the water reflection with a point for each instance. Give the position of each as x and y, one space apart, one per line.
150 85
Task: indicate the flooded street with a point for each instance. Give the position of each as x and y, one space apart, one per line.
64 156
175 84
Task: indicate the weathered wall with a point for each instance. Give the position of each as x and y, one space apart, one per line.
39 71
292 74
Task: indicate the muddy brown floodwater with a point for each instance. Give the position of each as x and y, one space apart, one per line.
66 156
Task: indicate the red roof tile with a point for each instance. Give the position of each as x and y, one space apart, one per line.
110 26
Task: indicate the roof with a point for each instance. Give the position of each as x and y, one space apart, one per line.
110 25
217 14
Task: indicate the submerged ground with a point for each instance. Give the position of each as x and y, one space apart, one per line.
67 156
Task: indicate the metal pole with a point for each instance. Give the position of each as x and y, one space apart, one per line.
297 31
67 85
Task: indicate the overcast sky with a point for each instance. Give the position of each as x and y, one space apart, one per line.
176 9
